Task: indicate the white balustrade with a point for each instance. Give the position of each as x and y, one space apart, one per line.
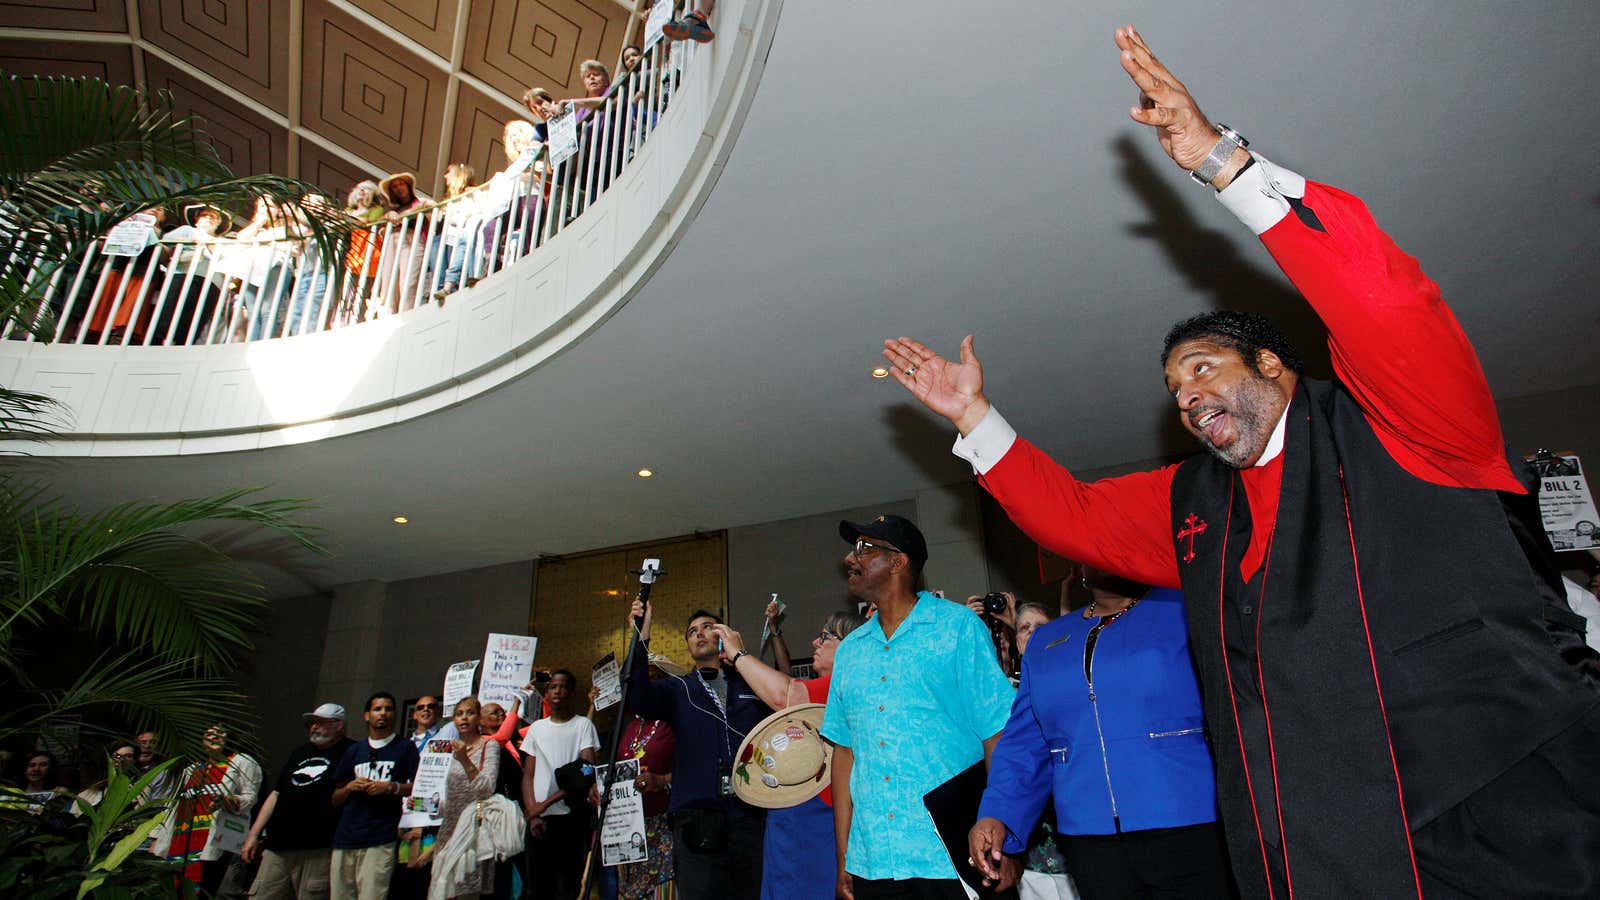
228 290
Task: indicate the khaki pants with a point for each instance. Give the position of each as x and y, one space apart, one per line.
292 875
362 874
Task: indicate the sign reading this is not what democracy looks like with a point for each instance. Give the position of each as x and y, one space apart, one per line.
507 666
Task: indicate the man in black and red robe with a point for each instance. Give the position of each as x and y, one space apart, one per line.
1389 716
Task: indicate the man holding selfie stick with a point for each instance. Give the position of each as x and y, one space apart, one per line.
716 838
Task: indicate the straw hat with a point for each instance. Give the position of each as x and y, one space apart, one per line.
784 761
191 213
407 177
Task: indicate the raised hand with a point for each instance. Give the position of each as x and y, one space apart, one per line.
732 641
636 610
951 389
1167 106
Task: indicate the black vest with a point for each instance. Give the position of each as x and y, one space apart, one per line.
1387 660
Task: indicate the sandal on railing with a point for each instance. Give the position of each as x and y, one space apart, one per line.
692 27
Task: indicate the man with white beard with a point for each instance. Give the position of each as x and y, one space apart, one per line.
298 817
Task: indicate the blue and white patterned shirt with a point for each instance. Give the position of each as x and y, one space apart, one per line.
914 709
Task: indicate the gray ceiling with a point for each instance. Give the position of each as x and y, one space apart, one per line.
910 176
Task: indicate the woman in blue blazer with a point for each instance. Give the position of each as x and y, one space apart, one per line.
1108 722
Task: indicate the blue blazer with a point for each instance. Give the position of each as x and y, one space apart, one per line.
1153 767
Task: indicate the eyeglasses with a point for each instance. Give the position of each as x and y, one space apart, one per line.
825 636
863 545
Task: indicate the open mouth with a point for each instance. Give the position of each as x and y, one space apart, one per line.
1210 423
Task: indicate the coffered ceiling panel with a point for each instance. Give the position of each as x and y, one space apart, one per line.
517 44
110 62
242 42
73 15
476 136
371 95
248 143
334 174
431 23
373 81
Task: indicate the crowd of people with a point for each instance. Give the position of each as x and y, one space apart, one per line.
203 280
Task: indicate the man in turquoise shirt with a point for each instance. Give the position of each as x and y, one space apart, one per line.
917 698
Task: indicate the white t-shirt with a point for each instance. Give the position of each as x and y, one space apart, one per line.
553 745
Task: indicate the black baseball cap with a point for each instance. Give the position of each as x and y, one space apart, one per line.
894 530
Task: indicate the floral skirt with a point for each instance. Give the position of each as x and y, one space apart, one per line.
640 881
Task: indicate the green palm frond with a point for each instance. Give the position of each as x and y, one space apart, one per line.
130 691
27 416
139 573
78 155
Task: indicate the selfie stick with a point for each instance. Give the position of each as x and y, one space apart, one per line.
648 573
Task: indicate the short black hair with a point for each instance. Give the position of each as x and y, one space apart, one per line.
1245 332
571 678
381 695
701 614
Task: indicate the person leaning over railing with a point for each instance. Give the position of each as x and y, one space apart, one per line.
189 295
361 261
513 187
448 251
402 270
311 286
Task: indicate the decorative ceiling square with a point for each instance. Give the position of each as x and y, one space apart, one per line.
244 43
111 62
71 15
248 143
517 44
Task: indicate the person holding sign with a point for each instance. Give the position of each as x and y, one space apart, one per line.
1389 717
558 826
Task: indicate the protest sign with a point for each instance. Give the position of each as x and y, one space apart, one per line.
231 828
507 666
608 680
423 808
622 836
130 236
458 683
563 133
1565 504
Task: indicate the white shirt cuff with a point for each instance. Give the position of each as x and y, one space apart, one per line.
1259 196
987 443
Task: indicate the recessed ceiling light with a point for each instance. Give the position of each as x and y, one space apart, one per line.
401 520
645 473
880 372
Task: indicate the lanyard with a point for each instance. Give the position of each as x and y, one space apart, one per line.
722 712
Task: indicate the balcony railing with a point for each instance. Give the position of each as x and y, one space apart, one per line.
224 290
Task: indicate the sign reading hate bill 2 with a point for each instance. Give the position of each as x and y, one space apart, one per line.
1565 504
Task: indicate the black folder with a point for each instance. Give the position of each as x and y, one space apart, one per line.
954 808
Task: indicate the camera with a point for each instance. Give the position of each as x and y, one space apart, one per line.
995 603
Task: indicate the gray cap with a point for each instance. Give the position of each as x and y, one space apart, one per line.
325 711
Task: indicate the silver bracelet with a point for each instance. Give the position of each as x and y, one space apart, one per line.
1227 142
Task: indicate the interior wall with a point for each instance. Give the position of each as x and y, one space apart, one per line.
800 559
580 607
429 623
281 676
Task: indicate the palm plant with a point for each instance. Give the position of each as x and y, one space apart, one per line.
78 155
94 853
